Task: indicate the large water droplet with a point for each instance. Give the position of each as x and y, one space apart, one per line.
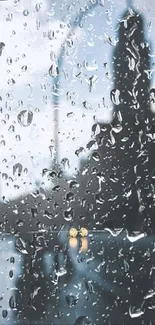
25 118
68 214
115 96
12 302
135 313
54 70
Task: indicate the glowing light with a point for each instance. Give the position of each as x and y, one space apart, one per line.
73 232
73 242
83 232
84 244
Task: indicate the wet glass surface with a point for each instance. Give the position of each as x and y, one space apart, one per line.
77 162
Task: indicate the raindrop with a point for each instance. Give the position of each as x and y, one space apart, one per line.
135 313
115 96
48 215
12 302
25 118
11 128
65 163
92 82
4 176
17 169
25 12
135 236
20 223
89 286
20 245
68 214
73 184
4 313
70 197
72 300
38 6
11 82
54 70
34 212
80 151
24 68
96 156
118 128
2 45
92 145
11 274
9 61
12 259
96 129
87 105
38 24
18 138
152 99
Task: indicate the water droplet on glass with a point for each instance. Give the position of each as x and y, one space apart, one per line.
25 118
17 169
73 184
12 259
118 128
38 24
135 236
96 129
70 197
72 300
4 313
9 61
92 145
96 156
18 138
20 223
11 82
25 12
24 68
11 128
2 45
115 96
152 99
54 70
92 82
80 152
34 212
20 245
135 313
89 286
38 6
12 302
11 274
68 214
87 105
